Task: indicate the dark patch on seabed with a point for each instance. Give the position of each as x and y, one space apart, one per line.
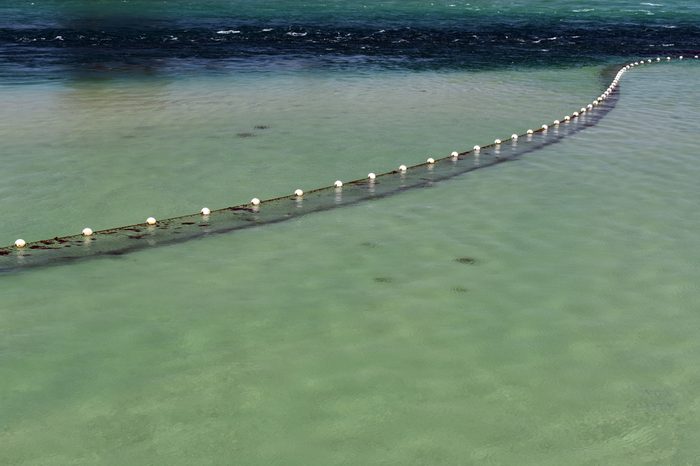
466 260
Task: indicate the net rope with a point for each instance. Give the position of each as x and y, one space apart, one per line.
125 239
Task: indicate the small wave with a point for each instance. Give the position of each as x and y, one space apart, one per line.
583 10
230 31
267 30
540 40
651 4
646 12
297 34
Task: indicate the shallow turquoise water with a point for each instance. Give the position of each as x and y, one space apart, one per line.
138 144
540 312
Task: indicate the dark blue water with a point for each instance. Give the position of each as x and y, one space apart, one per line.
54 40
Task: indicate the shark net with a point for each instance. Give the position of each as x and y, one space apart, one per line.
125 239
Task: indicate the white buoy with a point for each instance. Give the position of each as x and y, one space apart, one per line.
477 148
371 176
255 201
205 211
497 141
402 168
567 118
298 192
338 184
668 58
20 243
151 220
455 154
556 122
529 131
696 56
87 231
514 137
589 107
545 127
575 114
649 60
680 57
430 160
583 110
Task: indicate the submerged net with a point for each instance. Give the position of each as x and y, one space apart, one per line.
121 240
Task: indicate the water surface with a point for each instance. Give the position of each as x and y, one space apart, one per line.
539 312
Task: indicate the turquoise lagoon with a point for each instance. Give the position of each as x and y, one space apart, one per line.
542 311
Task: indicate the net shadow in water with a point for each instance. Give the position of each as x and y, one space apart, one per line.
122 240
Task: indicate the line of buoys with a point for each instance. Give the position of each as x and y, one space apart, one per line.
298 193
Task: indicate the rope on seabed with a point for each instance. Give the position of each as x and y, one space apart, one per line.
154 232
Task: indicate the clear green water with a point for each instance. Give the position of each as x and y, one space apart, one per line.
540 312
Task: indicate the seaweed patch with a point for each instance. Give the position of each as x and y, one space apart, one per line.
466 260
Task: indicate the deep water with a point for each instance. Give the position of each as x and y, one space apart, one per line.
50 40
